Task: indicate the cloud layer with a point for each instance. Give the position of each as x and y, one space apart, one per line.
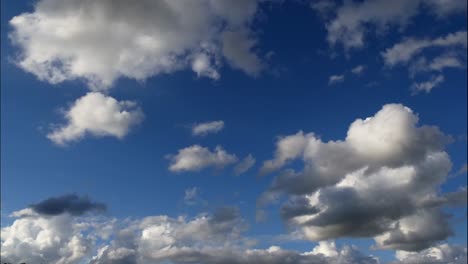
205 238
381 181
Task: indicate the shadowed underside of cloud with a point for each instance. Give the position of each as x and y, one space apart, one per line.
382 181
70 203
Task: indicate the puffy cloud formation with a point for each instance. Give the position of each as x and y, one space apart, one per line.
70 203
196 157
203 129
381 181
440 254
215 238
351 20
101 41
54 231
98 115
244 165
58 239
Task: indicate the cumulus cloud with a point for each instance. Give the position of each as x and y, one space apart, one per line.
428 85
102 41
196 158
203 129
352 19
244 165
334 79
54 231
70 203
98 115
439 254
378 182
205 238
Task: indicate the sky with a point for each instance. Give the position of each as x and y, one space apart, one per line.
222 131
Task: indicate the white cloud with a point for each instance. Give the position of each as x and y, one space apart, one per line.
403 52
203 129
358 69
102 41
196 157
352 19
98 115
440 254
244 165
427 86
378 182
37 239
334 79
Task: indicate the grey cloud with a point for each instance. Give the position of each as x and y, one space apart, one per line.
70 203
382 176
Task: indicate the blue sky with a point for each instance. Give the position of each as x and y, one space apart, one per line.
266 71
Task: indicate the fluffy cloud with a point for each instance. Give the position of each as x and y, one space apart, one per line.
244 165
203 129
101 41
54 231
206 238
381 182
196 157
98 115
209 239
440 254
334 79
352 19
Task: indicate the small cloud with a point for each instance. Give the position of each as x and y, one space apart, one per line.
196 158
334 79
203 129
427 86
358 69
244 165
191 195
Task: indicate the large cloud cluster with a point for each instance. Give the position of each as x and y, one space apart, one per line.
66 238
381 181
100 41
